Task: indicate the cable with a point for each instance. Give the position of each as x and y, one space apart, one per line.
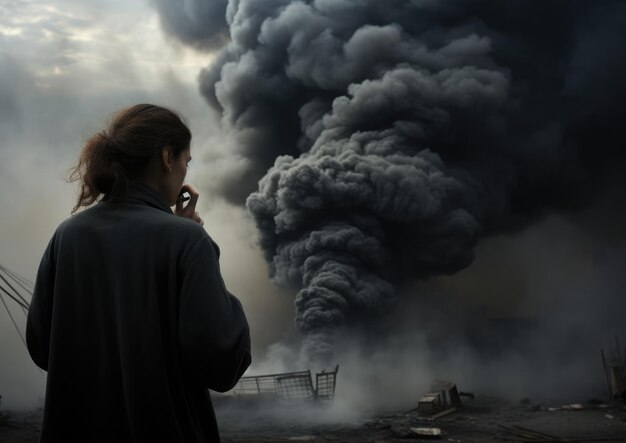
23 283
17 277
16 300
26 285
13 320
17 294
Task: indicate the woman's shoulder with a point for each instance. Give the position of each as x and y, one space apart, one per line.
103 216
162 231
184 226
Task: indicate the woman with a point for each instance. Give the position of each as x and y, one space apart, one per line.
130 316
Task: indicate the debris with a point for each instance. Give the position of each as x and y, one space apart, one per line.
615 370
609 416
430 403
572 407
402 431
444 397
442 414
449 392
525 433
521 434
289 386
427 432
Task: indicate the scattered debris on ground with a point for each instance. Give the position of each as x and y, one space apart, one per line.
521 434
443 398
427 432
289 407
478 421
614 363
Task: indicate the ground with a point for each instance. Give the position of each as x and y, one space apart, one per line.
479 420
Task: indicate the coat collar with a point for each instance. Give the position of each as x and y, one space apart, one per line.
143 194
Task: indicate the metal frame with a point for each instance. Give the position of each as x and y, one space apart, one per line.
289 386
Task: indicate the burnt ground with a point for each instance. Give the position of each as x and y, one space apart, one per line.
479 420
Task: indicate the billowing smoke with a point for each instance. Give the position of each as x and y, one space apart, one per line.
380 141
197 23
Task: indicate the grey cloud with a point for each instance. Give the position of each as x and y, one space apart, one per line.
11 74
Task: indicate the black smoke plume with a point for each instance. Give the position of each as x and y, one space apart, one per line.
383 140
201 24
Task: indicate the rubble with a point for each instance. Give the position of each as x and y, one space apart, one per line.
430 403
514 432
614 363
401 430
443 399
442 414
572 407
405 430
522 434
427 432
478 421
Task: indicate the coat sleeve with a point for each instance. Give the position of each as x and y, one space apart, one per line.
213 332
39 320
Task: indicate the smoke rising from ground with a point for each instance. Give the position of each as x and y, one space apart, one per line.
376 143
514 324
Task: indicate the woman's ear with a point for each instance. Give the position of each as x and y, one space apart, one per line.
167 157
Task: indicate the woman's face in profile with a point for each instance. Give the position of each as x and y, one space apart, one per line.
176 176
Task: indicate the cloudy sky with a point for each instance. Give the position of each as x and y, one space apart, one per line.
65 65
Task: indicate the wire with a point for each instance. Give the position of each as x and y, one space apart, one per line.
12 297
17 277
15 296
12 319
24 283
24 302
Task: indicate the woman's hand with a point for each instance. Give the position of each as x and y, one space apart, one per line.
189 210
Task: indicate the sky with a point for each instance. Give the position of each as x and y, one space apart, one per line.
64 67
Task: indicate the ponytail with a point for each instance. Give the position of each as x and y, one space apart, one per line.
98 172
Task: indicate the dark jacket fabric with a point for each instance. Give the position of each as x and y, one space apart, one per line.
131 319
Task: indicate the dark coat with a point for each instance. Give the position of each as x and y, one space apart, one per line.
132 321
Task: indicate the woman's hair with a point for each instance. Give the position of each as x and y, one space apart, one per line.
110 159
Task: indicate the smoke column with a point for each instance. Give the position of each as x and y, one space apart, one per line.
378 142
